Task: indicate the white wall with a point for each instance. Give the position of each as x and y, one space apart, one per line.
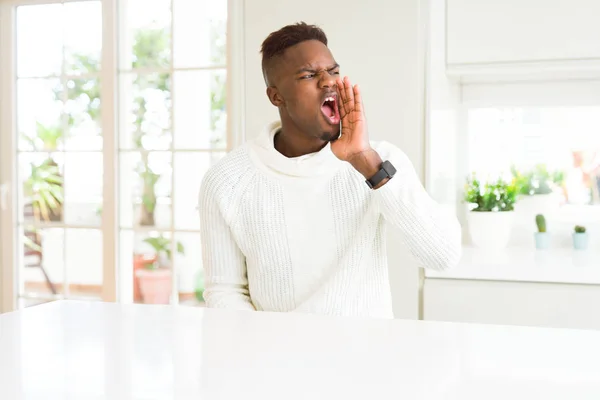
377 44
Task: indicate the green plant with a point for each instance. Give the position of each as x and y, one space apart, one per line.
46 137
44 188
30 243
151 47
538 180
199 290
540 221
149 180
490 196
162 246
579 229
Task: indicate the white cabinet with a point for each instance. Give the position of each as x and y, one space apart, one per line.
522 31
512 303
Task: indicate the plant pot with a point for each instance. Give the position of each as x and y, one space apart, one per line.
140 262
542 240
155 285
490 230
580 241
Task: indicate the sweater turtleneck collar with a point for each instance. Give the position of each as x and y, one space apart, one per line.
323 162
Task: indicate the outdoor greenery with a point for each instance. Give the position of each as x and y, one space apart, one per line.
490 196
81 105
162 248
151 49
537 180
43 188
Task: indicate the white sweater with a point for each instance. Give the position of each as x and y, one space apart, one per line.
307 234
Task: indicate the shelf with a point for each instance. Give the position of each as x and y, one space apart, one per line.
526 265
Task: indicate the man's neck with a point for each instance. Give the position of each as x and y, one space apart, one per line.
293 143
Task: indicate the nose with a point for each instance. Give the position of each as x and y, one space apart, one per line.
326 80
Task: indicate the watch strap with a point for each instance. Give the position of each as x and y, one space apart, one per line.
386 170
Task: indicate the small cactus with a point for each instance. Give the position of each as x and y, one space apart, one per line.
540 221
579 229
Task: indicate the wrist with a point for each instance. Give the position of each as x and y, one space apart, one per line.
367 162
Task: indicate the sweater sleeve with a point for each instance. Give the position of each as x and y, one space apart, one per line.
432 234
225 276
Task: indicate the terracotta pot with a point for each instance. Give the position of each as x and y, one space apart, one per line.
140 261
155 285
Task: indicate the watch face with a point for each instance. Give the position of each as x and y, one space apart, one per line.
389 168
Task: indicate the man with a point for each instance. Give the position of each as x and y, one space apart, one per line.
295 219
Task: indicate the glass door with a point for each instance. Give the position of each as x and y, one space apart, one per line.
58 151
112 111
172 128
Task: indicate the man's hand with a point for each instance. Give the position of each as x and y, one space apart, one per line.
353 145
354 138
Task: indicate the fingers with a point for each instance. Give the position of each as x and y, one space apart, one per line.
357 99
346 95
341 96
349 96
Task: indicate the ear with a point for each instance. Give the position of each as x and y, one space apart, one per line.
274 96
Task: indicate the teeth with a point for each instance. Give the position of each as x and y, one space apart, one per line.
330 99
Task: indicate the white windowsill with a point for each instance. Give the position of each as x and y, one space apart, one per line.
560 265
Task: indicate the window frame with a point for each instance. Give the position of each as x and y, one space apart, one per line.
560 93
113 287
513 264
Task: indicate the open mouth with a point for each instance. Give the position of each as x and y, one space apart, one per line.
329 107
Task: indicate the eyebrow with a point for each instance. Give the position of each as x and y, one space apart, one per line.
310 68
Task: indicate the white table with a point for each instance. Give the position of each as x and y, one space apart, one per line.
76 350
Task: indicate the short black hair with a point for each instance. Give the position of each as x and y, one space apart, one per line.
290 35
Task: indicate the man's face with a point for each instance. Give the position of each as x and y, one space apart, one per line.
303 87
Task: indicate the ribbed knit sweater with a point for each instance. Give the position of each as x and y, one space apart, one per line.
307 234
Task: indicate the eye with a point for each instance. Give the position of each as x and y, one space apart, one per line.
308 76
335 72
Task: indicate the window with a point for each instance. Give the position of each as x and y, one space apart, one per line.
172 76
170 120
551 153
59 150
563 141
542 140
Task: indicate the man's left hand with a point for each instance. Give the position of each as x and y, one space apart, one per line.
353 145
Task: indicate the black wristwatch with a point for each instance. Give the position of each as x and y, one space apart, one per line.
387 170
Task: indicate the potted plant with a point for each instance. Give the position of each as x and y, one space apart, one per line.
580 238
492 211
155 279
141 261
542 238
